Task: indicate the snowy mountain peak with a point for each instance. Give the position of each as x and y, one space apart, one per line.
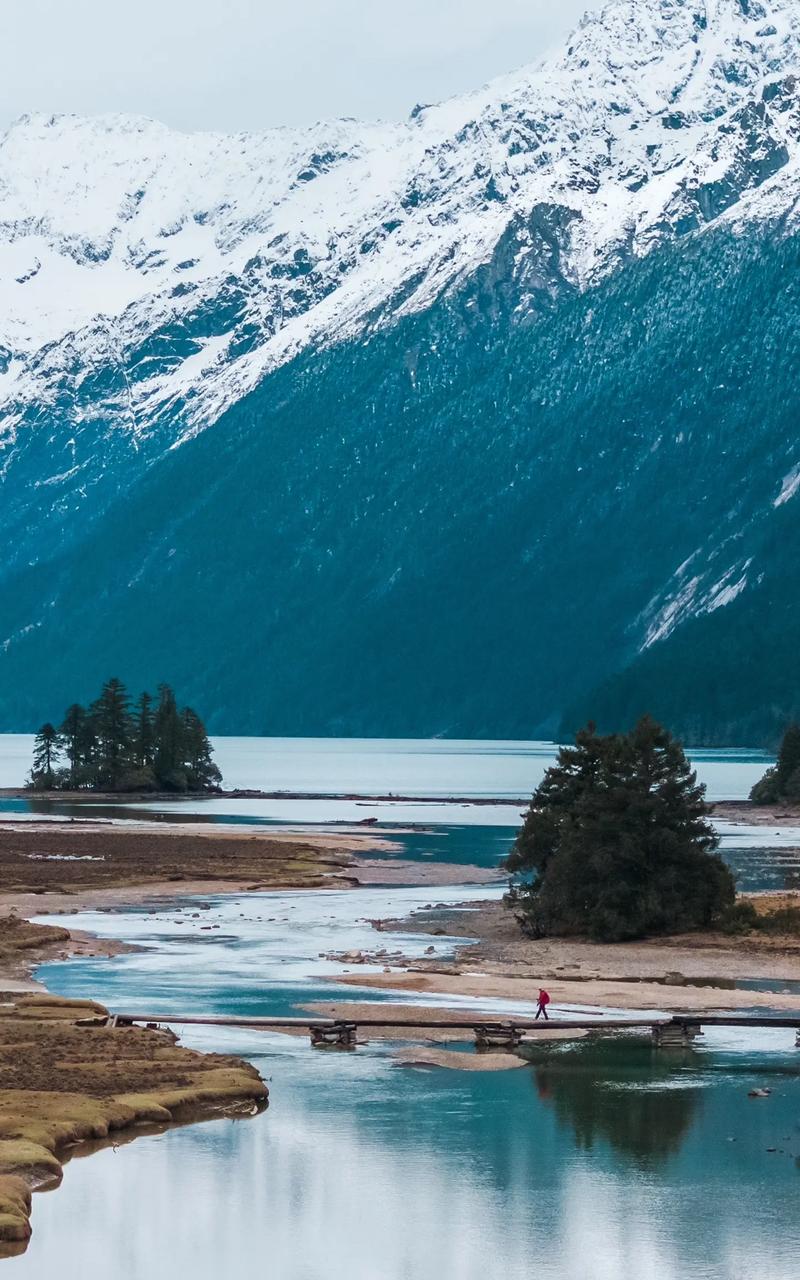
189 265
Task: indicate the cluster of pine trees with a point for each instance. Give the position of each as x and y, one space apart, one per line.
117 745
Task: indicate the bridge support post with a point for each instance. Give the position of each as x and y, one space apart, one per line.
337 1035
676 1035
497 1035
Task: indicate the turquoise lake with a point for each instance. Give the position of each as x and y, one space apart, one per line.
597 1161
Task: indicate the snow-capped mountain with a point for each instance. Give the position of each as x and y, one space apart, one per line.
190 265
532 346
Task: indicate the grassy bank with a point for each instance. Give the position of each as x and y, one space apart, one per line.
65 1078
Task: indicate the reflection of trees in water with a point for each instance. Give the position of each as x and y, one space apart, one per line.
614 1091
91 809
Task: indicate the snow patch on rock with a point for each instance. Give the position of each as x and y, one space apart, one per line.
789 487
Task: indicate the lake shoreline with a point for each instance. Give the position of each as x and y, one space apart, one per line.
735 810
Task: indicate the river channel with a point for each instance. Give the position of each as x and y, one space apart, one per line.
598 1161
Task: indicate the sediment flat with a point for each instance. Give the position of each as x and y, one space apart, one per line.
79 859
756 815
67 865
688 973
598 992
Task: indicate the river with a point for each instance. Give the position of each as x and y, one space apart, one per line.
598 1162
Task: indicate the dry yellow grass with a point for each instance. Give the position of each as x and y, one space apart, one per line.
62 1083
767 904
15 1213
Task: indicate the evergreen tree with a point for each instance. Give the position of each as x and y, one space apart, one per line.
113 728
782 780
46 747
144 735
168 734
789 763
616 843
203 774
78 741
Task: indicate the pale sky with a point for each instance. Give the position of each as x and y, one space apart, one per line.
251 64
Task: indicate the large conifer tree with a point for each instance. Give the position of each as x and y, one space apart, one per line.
144 732
113 729
77 737
46 746
203 774
168 753
616 843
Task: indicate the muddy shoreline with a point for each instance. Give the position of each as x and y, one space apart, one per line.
743 811
68 858
65 865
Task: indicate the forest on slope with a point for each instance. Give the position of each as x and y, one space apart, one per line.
464 525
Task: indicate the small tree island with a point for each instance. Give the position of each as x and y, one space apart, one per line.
617 845
113 745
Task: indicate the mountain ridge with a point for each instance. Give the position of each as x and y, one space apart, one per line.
283 227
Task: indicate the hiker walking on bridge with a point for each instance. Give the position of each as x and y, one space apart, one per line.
541 1005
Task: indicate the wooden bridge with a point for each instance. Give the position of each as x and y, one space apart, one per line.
667 1031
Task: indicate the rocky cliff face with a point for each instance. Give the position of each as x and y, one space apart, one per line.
353 378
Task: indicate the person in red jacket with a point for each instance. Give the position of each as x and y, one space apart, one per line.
541 1005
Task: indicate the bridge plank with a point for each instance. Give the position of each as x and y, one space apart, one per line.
472 1024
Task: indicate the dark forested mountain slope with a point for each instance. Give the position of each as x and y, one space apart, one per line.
465 525
727 677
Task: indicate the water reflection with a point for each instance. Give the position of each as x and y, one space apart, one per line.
365 1171
621 1092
